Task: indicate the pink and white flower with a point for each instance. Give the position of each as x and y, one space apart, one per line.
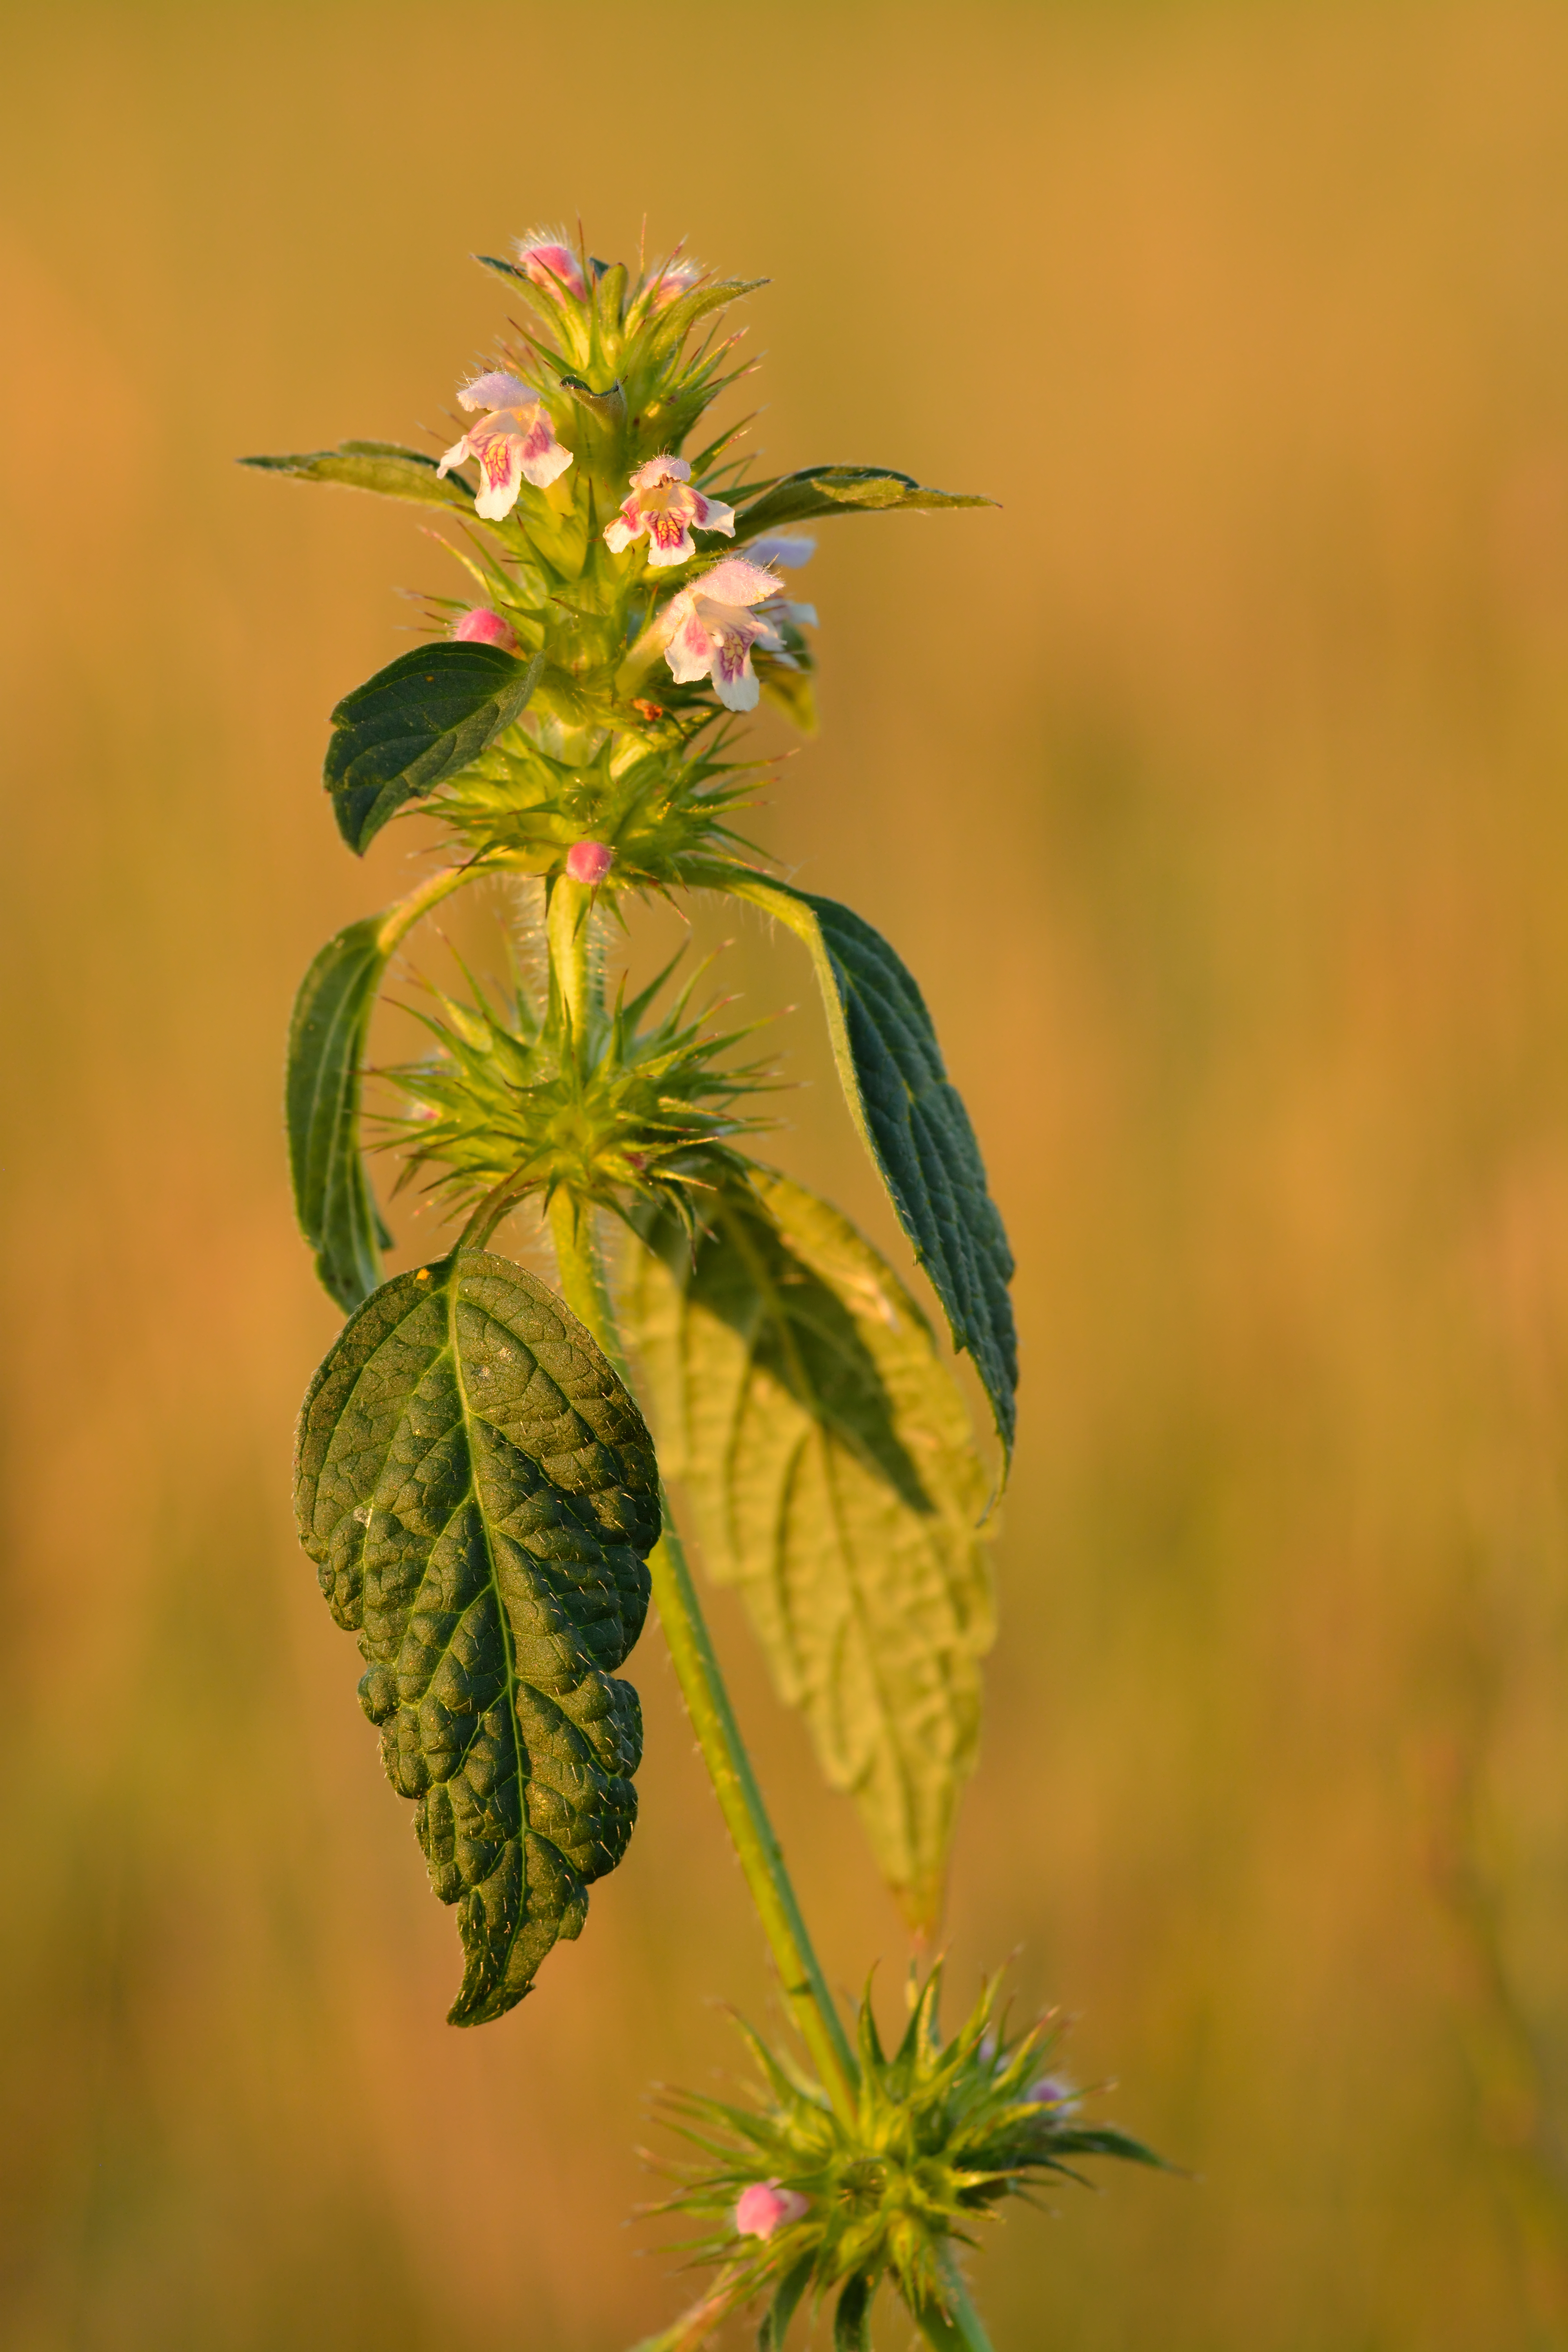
551 265
662 505
514 442
764 2207
479 626
711 627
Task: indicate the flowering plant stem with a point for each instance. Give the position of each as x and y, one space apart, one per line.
587 1293
475 1482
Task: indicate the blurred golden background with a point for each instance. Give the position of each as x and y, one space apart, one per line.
1216 790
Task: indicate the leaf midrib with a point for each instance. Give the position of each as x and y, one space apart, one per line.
508 1649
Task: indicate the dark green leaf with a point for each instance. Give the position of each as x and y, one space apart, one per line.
782 2310
914 1125
852 2320
427 716
479 1494
1105 2139
379 466
841 489
332 1198
830 1465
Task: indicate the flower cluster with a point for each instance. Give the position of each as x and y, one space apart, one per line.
646 629
795 2200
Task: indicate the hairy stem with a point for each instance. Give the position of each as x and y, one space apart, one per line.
696 1663
713 1717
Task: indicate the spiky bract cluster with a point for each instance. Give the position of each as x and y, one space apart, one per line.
659 800
941 2132
641 1114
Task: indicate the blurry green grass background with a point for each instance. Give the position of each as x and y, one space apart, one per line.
1216 790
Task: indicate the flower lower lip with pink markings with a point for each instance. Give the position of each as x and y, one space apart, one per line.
514 442
663 505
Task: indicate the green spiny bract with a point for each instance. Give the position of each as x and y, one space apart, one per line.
638 1114
942 2132
659 799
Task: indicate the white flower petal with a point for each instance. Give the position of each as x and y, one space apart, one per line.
655 471
619 535
548 466
456 455
496 390
666 546
736 581
737 690
690 652
500 466
782 547
712 514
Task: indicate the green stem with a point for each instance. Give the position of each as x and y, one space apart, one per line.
713 1717
696 1665
402 918
569 905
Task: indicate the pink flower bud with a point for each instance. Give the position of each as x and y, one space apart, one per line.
764 2207
480 627
588 862
552 265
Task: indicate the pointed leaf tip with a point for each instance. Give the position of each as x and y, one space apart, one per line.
819 491
383 467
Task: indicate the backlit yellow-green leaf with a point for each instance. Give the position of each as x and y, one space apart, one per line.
800 1400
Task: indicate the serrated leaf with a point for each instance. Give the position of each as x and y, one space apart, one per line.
382 467
425 716
332 1198
478 1493
831 1471
913 1121
842 489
